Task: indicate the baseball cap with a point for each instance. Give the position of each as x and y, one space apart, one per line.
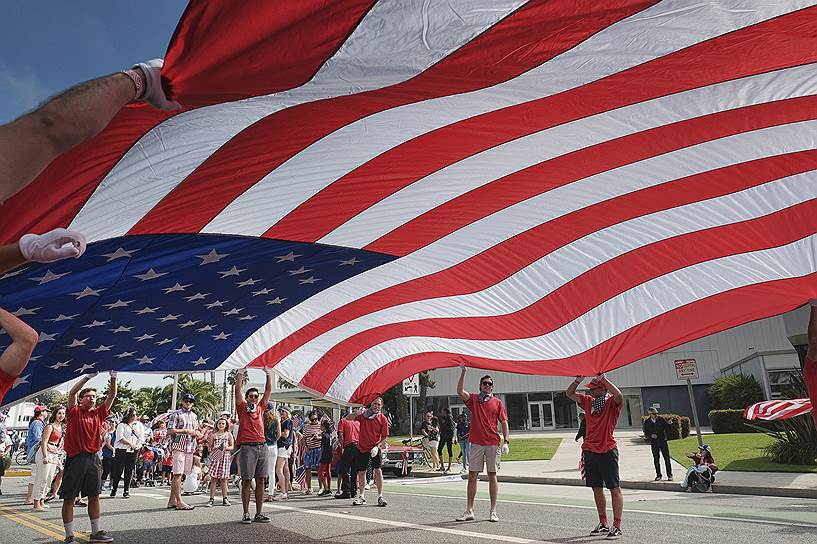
283 409
270 406
652 410
595 382
189 396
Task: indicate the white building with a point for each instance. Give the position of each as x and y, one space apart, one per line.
761 348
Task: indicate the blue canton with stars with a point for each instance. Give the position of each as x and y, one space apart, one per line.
163 303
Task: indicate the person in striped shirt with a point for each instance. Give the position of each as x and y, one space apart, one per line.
312 435
183 429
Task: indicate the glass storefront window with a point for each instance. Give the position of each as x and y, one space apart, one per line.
516 404
565 412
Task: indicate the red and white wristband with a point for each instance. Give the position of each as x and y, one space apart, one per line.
138 82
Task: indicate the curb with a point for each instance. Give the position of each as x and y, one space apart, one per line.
798 493
12 473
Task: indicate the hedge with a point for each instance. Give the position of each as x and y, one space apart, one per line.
728 421
677 426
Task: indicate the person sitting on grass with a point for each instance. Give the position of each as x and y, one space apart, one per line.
703 461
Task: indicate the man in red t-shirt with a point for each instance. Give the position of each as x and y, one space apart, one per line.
15 357
487 411
252 463
348 436
374 429
810 364
601 409
82 474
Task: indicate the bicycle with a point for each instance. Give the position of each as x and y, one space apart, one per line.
20 457
425 458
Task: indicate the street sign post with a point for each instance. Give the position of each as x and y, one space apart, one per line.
411 388
687 369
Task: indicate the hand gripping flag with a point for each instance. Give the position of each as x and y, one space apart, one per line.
358 191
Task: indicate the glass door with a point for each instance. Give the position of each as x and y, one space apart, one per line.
540 415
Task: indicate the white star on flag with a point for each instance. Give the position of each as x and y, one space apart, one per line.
119 253
347 262
62 317
59 365
21 380
246 318
164 341
47 277
95 324
145 360
276 300
188 323
126 354
197 296
12 274
177 287
45 337
26 311
87 366
150 275
87 292
232 272
297 271
245 283
215 303
118 304
310 279
183 349
121 329
233 311
102 348
76 343
221 336
201 361
212 257
291 256
206 328
144 337
263 291
146 310
169 317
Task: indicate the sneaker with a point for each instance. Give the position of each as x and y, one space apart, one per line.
658 478
280 497
69 538
493 517
113 493
210 503
48 498
381 501
367 487
126 495
226 502
360 501
343 496
308 491
468 515
669 478
614 534
246 519
261 518
601 529
100 536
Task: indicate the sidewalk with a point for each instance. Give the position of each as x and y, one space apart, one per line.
637 471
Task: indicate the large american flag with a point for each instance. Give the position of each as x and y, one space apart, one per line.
771 410
358 190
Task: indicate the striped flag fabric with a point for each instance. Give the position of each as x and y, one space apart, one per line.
358 191
771 410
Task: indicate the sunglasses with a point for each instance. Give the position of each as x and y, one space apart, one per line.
488 384
252 396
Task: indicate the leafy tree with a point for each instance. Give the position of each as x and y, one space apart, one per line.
152 401
208 400
735 391
124 397
52 398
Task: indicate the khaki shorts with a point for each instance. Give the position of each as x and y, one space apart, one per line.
480 456
182 462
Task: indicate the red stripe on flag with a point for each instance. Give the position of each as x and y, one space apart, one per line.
587 291
222 54
490 267
689 322
707 63
501 53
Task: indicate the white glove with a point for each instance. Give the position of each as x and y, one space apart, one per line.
154 94
52 246
506 448
113 374
375 451
268 371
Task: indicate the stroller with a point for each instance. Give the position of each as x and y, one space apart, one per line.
700 477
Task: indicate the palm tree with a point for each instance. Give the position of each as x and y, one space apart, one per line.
152 401
208 401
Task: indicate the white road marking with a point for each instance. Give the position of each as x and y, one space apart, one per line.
414 526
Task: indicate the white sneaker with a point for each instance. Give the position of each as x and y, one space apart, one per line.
468 515
493 517
360 501
280 497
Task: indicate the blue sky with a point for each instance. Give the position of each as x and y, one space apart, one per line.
47 46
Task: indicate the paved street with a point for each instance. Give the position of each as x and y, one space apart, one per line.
423 511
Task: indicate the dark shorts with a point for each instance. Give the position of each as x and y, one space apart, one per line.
601 469
82 475
363 458
167 469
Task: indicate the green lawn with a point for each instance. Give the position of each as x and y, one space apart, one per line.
522 449
736 451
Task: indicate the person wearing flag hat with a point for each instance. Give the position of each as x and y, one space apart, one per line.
602 407
183 430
